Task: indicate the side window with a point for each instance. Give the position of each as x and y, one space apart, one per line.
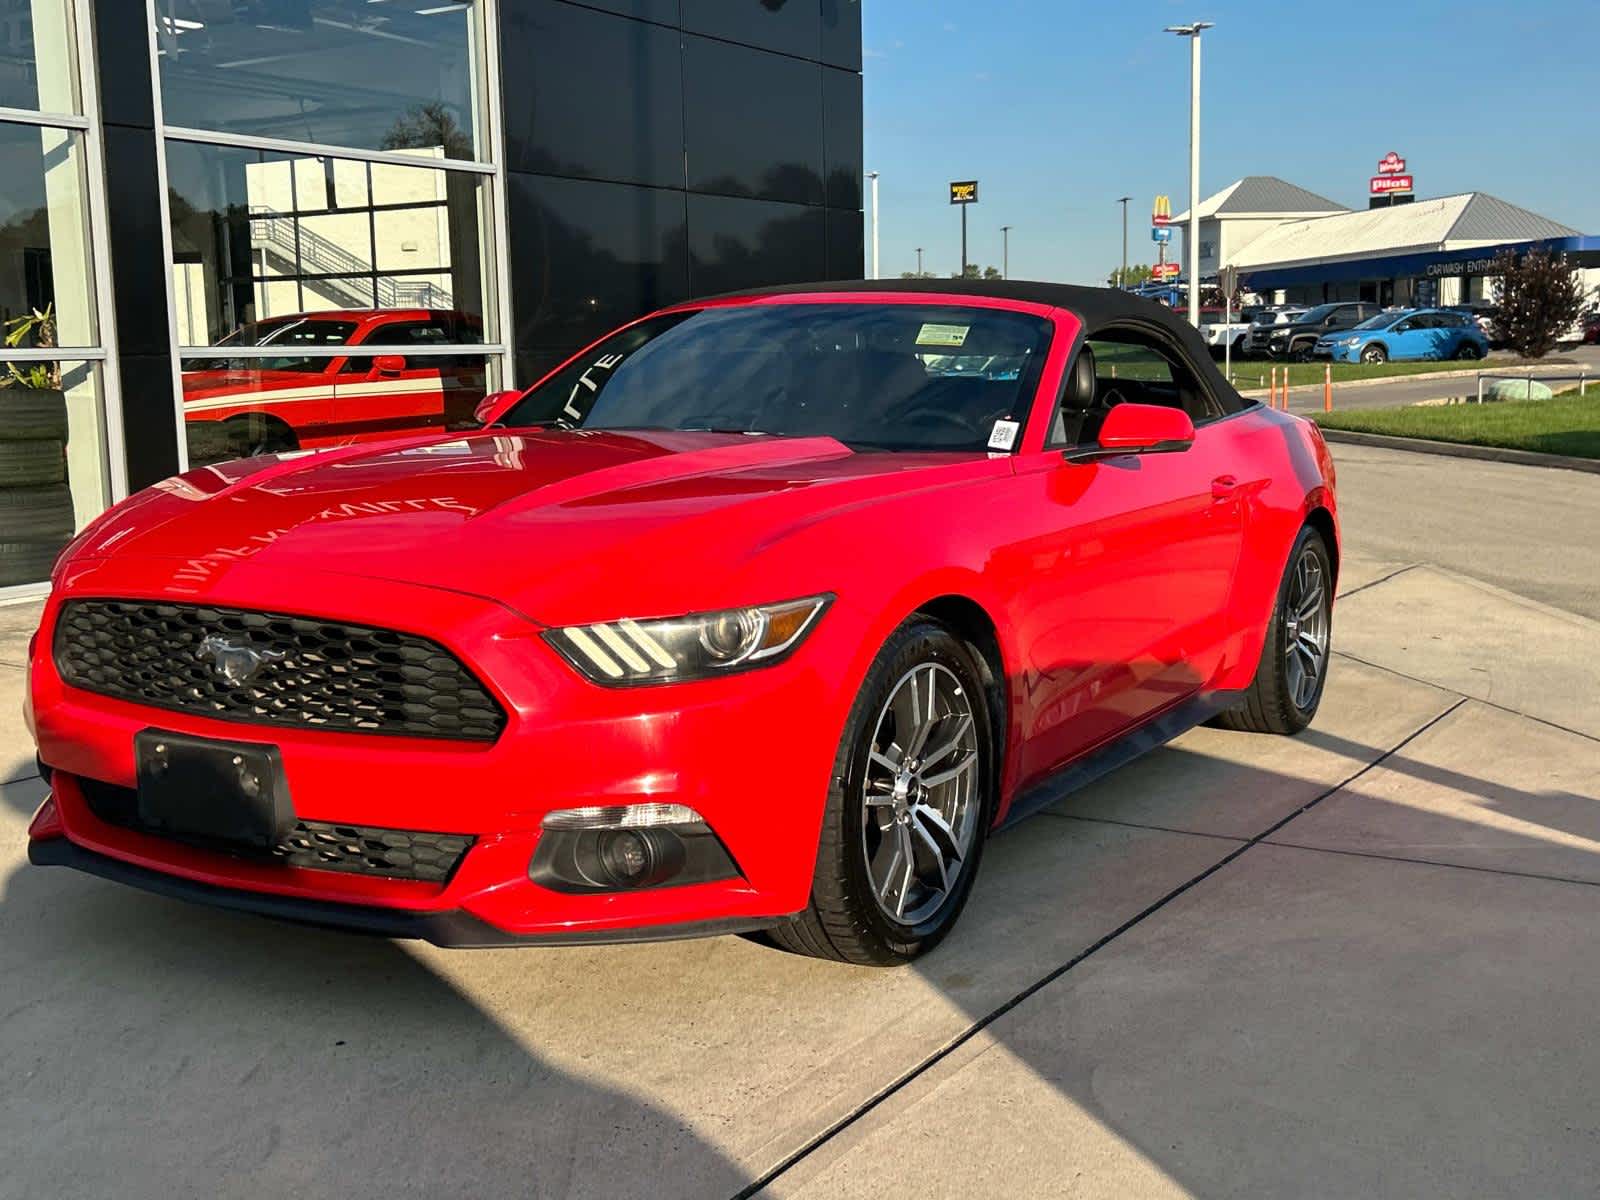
1130 367
1408 325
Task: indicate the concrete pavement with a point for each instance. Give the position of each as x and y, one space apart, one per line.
1358 961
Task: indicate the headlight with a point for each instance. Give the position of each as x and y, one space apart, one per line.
1352 341
620 653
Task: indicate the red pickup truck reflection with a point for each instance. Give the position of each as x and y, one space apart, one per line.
240 406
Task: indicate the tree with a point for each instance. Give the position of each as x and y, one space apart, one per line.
1539 295
425 126
974 272
1136 275
917 275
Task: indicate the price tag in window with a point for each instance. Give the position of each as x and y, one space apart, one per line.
1004 435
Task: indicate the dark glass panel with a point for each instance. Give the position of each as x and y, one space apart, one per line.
846 244
592 95
663 12
127 92
737 244
752 123
588 256
258 235
138 273
787 26
841 137
841 33
337 72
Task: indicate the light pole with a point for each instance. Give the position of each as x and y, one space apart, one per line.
873 175
1122 279
919 262
1005 252
1192 234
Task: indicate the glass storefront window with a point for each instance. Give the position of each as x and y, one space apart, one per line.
300 399
259 235
38 63
46 289
366 74
53 473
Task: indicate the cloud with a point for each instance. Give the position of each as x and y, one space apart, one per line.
869 52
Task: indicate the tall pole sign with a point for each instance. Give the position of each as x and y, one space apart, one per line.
1392 179
963 193
1161 235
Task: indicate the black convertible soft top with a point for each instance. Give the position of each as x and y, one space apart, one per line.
1096 307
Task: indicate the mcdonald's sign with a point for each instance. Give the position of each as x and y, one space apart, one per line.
965 192
1162 214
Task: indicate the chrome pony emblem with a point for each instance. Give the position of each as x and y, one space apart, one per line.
235 662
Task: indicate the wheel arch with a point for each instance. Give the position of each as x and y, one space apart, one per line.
971 622
1320 519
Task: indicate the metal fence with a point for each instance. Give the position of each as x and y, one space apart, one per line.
1582 376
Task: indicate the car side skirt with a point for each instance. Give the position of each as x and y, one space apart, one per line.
1178 719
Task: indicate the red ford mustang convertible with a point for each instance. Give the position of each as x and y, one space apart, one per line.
762 612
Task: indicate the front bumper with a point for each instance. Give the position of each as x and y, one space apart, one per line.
712 746
452 928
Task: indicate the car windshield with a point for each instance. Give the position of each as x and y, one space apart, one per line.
880 376
287 332
1320 313
1381 321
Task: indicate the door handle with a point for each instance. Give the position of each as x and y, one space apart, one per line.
1223 487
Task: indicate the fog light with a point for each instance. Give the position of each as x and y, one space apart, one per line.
625 855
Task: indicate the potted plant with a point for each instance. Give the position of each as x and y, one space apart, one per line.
36 512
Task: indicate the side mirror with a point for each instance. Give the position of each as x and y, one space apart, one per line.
1138 429
492 405
389 364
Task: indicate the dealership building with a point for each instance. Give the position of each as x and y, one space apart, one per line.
1290 245
354 216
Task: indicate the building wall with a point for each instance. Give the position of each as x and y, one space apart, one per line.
655 154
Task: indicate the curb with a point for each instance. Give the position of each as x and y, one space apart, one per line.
1501 454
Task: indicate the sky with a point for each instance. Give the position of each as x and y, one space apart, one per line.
1058 107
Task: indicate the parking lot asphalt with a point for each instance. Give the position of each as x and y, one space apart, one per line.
1355 962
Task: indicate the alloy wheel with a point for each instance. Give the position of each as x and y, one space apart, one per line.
921 793
1306 628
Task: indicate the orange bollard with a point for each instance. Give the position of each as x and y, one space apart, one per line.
1327 387
1272 391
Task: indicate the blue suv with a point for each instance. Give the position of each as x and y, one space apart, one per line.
1404 335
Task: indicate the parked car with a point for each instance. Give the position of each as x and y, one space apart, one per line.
761 612
1268 320
1484 316
1405 335
1296 339
254 405
1218 332
1591 329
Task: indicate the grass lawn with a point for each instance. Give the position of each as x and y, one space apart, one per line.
1567 424
1258 372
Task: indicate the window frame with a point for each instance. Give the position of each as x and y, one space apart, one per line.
497 354
86 125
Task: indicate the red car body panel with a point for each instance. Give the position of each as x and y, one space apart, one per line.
1117 590
345 399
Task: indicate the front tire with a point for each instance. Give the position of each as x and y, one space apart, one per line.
1374 354
1287 689
910 801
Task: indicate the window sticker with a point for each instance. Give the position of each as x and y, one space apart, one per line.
942 335
1004 435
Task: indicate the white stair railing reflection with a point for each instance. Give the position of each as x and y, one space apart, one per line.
313 254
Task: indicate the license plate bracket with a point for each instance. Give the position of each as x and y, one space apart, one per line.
211 790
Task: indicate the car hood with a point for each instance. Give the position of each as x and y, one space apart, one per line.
548 522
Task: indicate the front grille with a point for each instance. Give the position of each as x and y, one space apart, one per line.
319 845
286 670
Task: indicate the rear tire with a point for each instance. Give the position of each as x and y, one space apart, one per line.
886 795
1282 698
1467 352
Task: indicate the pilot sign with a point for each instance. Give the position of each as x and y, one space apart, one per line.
964 192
